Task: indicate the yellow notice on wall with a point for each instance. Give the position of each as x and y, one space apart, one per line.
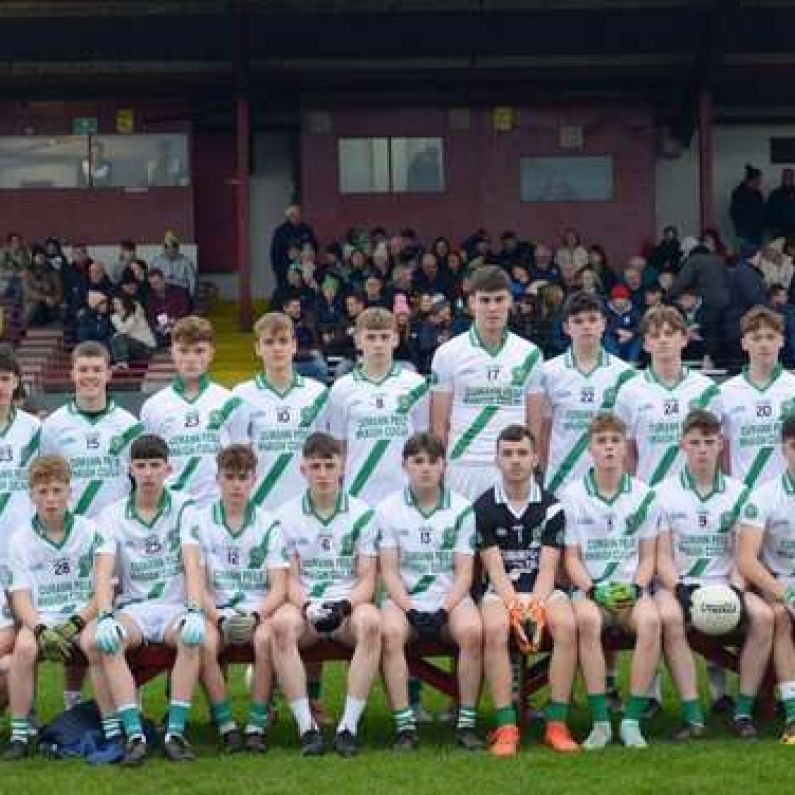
125 121
503 118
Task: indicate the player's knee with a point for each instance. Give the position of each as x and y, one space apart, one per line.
588 622
261 641
368 626
495 633
647 624
26 650
393 635
470 638
761 621
564 628
782 620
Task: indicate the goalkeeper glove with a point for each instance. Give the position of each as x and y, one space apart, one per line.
339 610
52 645
71 628
615 596
109 634
788 598
684 595
239 627
320 616
192 633
527 622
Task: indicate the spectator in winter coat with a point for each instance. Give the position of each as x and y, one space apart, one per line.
177 269
667 254
165 305
747 289
294 231
691 305
747 209
780 209
623 319
571 252
308 360
133 340
41 291
779 303
544 269
776 264
94 321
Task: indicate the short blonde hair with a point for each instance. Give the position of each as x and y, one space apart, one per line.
90 350
273 323
49 468
659 316
375 318
191 330
606 421
758 317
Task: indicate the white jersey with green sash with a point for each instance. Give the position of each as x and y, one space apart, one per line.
327 549
196 429
279 423
489 389
752 417
575 397
238 561
59 575
608 531
20 439
374 419
97 447
654 414
427 542
771 509
148 553
701 525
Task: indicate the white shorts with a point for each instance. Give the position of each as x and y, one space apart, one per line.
470 481
153 619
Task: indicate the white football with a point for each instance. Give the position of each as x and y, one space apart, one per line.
715 609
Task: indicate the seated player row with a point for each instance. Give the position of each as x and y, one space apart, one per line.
200 579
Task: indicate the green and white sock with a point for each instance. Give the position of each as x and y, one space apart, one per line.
466 717
598 705
257 718
505 716
111 726
177 718
744 707
404 720
222 716
556 711
130 718
19 730
691 713
787 692
635 707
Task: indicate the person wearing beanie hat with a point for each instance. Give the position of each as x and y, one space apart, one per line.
621 335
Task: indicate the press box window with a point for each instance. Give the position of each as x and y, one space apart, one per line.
566 179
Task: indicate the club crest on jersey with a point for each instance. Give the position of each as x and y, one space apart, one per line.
703 519
671 406
6 454
764 409
610 522
378 401
92 441
152 545
192 419
587 394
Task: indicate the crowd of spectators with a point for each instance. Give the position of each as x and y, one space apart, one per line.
129 305
426 283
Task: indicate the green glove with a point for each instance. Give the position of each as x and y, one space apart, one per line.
71 628
788 598
52 645
615 596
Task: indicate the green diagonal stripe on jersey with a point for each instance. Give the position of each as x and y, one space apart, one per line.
698 568
639 517
31 450
406 402
224 413
4 500
424 582
581 445
271 477
318 589
370 463
118 443
669 456
519 374
704 398
478 424
187 473
348 544
87 497
758 464
728 521
269 481
609 570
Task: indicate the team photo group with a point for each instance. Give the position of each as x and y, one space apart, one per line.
505 506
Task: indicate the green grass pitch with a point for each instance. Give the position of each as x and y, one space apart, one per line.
718 765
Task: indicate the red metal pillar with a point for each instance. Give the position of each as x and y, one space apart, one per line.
706 189
243 226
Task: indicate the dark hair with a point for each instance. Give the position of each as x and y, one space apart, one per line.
147 447
701 420
752 172
515 433
128 303
423 442
580 302
127 245
237 458
490 279
321 445
9 362
788 428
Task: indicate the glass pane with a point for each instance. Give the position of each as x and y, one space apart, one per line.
139 161
417 165
363 165
566 179
41 161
